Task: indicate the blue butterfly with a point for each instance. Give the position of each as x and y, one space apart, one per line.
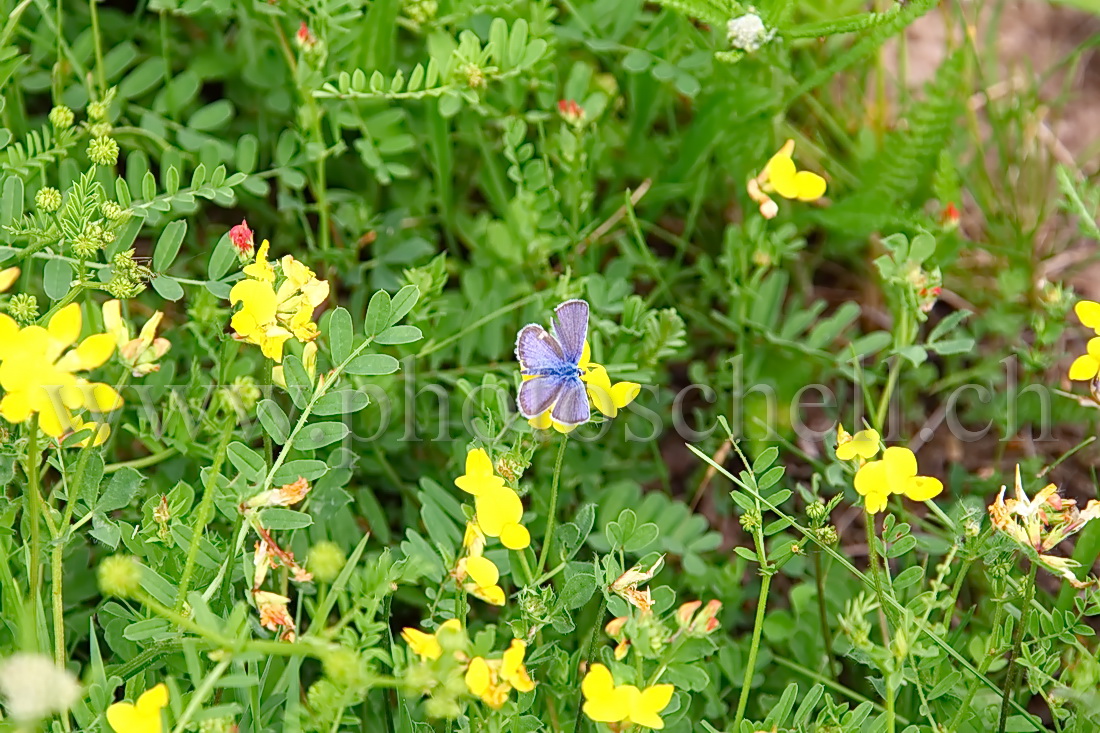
552 361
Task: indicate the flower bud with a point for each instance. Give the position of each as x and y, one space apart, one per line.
325 561
103 151
48 199
120 576
23 307
61 117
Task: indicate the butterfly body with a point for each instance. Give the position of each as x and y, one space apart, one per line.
550 364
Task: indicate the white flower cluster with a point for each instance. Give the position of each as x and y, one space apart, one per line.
33 687
748 32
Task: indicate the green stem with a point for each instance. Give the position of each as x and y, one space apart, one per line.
822 609
1013 677
876 576
750 664
586 655
202 517
99 66
551 518
144 462
891 716
983 667
32 501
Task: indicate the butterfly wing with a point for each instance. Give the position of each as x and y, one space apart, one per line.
570 326
538 395
571 407
537 350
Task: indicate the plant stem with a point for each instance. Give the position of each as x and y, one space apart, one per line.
202 517
99 66
551 518
32 500
586 656
876 575
750 665
1013 677
983 667
822 609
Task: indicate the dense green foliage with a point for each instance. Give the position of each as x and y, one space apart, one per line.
450 171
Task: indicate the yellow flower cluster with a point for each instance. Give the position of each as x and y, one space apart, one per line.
499 509
781 176
1042 523
894 473
38 372
492 680
141 717
276 308
1087 366
606 702
608 398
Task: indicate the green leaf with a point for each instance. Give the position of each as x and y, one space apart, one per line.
57 277
318 435
378 313
213 116
373 365
168 245
167 288
344 402
577 591
222 258
248 462
399 335
120 491
340 334
291 471
403 302
298 383
274 420
276 518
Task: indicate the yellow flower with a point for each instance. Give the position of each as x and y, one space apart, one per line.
484 574
895 473
1042 523
8 278
1086 366
139 354
479 475
499 509
425 645
38 371
100 431
274 614
273 311
1088 311
606 397
781 176
606 702
493 679
142 717
863 444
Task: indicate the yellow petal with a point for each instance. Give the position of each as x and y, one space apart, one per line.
422 644
645 706
64 326
901 465
497 508
9 329
258 299
478 676
493 594
1093 348
586 356
604 703
103 398
94 351
515 536
113 323
154 698
512 669
1083 368
808 186
1089 313
15 407
482 571
781 175
875 502
623 393
923 488
8 278
871 478
599 390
